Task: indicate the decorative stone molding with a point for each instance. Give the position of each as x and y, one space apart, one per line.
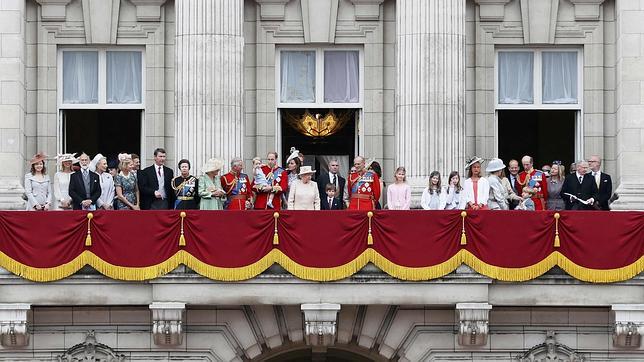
587 10
629 325
90 350
53 10
13 325
474 319
319 18
148 10
367 10
272 10
550 350
492 10
11 192
167 321
101 18
539 19
320 323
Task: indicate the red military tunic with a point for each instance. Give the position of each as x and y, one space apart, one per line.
279 180
364 190
237 188
537 180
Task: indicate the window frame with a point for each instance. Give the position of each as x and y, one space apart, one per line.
538 79
319 77
102 78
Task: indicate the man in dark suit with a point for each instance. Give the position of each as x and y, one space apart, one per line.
513 168
582 186
603 181
155 184
333 177
329 201
84 186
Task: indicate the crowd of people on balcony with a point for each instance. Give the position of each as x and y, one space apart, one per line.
97 186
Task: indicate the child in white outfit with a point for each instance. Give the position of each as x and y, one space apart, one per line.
260 179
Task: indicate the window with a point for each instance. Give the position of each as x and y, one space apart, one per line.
544 78
101 78
322 78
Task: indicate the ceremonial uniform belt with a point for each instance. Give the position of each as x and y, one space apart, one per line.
185 198
362 196
238 197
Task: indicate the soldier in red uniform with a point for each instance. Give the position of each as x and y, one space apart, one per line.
363 187
534 179
279 181
237 187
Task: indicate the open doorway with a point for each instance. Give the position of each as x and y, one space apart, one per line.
546 135
319 149
109 132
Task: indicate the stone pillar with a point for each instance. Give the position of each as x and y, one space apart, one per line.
430 93
629 103
209 80
12 103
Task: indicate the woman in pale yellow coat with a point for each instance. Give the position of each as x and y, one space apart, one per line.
210 191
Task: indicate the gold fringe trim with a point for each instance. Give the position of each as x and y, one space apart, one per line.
509 274
415 274
599 275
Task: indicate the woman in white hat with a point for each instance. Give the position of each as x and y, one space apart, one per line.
476 189
38 185
210 190
304 193
498 193
62 200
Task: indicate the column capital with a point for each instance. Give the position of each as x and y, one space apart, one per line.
629 325
13 325
167 320
474 319
320 323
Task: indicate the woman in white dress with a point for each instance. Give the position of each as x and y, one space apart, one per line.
108 191
498 199
304 193
434 197
62 200
38 185
476 189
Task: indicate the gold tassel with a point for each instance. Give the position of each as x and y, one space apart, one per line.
370 237
463 237
276 238
557 241
88 238
182 238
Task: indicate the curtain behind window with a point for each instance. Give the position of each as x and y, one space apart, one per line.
516 77
298 77
559 77
341 77
80 77
124 77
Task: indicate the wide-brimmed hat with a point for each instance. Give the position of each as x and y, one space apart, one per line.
472 161
305 170
38 157
212 164
495 165
294 154
66 157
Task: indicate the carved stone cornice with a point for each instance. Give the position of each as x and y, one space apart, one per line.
53 10
320 323
148 10
492 10
629 325
272 10
167 322
13 325
587 10
474 319
367 10
550 350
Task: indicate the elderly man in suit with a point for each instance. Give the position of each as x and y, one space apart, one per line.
155 184
84 186
333 177
581 186
602 180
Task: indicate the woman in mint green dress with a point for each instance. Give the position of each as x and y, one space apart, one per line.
210 191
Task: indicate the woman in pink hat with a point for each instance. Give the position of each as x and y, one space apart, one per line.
38 185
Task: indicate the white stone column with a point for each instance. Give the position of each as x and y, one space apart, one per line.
430 93
629 103
209 80
12 103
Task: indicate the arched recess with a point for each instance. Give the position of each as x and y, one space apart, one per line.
337 353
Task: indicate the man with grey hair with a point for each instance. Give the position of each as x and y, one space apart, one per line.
237 187
363 186
602 180
579 190
84 186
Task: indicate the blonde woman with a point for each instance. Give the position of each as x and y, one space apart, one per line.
127 189
555 183
62 200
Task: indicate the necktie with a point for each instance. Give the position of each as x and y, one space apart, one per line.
333 179
330 202
580 178
159 171
596 176
86 182
514 183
